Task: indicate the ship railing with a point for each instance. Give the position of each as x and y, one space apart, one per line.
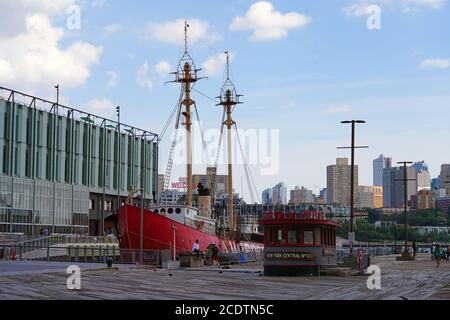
302 215
205 227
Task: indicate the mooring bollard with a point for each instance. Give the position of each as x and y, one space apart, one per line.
109 262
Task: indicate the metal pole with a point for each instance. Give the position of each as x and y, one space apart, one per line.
141 224
118 158
352 180
405 182
11 137
187 76
102 224
32 165
174 243
72 161
405 172
55 126
229 124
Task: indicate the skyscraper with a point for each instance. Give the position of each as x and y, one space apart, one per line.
301 195
423 176
279 194
379 165
445 177
267 197
393 187
339 182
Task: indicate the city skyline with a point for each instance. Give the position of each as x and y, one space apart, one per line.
393 78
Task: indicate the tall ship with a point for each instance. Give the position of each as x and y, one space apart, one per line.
178 227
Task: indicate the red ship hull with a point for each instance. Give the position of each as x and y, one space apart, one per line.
159 234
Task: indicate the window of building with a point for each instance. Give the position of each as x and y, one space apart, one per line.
317 238
292 236
280 236
308 237
91 204
108 205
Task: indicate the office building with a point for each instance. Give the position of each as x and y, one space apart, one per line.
301 195
393 186
279 194
370 197
423 176
443 204
436 183
425 199
445 177
379 165
339 182
266 198
66 170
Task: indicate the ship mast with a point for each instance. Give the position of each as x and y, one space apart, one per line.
229 99
187 76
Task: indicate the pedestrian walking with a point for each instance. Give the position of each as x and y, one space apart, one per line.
437 255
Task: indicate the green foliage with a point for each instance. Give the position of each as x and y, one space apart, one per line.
367 232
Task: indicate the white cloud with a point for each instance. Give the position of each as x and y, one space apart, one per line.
214 65
113 79
173 32
143 78
101 107
435 63
163 67
339 109
267 23
14 13
111 29
35 57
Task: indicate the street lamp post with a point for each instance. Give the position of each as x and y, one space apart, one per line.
54 137
352 178
406 255
119 163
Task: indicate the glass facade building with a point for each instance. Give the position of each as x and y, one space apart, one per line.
66 170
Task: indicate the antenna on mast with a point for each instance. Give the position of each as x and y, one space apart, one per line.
186 26
228 65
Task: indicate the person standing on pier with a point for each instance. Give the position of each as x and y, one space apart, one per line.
438 255
196 248
414 247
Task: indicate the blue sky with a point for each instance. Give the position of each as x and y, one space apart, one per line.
301 74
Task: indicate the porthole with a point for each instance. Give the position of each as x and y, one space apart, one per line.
156 211
170 211
163 210
178 210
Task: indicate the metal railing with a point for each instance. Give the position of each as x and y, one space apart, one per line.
240 258
80 254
